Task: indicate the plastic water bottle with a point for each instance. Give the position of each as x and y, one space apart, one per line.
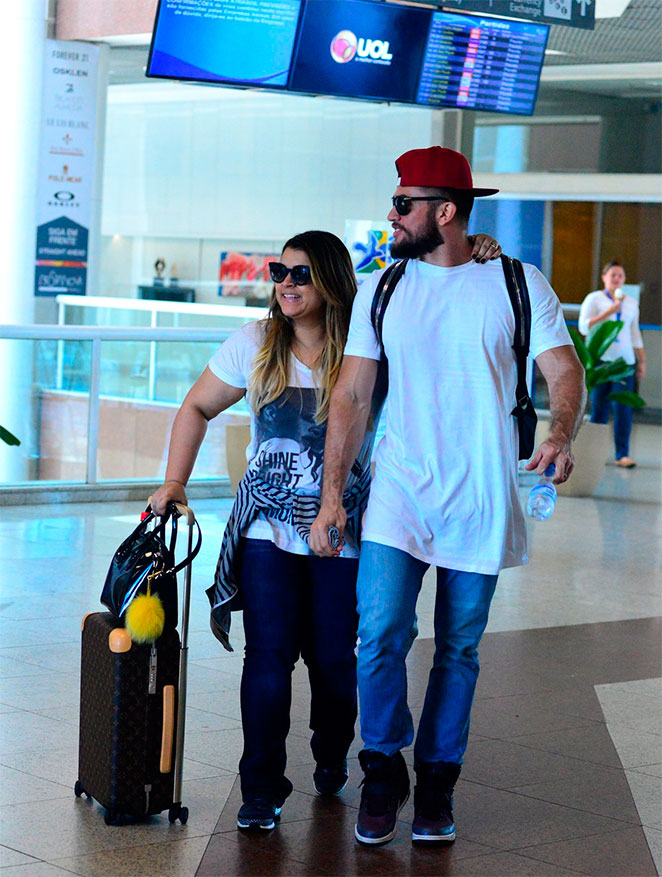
543 496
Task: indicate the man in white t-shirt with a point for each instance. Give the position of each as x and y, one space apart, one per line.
445 484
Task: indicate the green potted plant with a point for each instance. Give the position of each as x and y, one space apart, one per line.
597 372
8 437
592 447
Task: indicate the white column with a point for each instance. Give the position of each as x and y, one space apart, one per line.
94 239
446 129
24 31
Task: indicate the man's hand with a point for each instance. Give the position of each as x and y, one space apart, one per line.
169 491
557 452
319 532
567 399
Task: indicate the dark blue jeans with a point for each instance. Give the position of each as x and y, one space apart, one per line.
294 605
601 407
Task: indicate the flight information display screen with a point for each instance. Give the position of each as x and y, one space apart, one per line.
233 42
482 64
352 48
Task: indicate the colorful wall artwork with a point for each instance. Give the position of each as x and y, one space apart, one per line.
245 274
369 244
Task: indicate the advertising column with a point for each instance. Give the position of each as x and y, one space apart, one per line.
23 32
67 168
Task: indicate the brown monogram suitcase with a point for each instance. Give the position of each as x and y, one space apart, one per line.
132 707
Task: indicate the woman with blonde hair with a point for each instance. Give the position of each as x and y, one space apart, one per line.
294 602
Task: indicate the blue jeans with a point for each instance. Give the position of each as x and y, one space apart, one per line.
601 406
294 605
388 586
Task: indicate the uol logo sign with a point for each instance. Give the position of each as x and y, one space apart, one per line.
345 46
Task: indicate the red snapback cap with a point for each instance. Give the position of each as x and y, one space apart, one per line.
437 167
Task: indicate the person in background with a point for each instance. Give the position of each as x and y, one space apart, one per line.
294 602
445 488
611 303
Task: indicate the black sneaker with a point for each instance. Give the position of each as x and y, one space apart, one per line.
330 779
258 813
385 792
433 803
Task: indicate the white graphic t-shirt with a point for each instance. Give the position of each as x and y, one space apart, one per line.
287 445
445 485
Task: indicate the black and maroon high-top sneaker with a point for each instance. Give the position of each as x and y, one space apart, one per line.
384 794
433 802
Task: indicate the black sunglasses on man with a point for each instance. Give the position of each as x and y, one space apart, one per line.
404 203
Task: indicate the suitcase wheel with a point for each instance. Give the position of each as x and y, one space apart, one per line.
178 812
79 790
112 818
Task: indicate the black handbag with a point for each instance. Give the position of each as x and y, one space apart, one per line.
145 558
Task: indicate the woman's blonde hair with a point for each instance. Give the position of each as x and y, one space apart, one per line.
332 275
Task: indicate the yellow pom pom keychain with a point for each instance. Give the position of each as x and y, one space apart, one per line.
145 617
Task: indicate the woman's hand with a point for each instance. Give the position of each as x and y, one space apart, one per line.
170 491
640 370
613 308
485 247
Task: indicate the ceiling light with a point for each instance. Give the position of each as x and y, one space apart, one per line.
610 8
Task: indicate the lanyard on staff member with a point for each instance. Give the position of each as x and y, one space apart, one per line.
618 313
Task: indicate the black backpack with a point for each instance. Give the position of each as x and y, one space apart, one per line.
521 304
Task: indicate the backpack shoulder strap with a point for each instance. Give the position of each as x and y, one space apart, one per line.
385 288
521 305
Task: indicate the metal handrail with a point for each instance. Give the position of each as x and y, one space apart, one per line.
158 306
109 333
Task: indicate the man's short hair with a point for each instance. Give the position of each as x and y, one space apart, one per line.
463 201
614 263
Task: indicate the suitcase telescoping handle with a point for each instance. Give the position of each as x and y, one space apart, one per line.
177 811
185 512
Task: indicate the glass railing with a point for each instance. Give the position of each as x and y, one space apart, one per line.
96 404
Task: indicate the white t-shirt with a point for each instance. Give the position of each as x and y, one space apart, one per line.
287 445
445 486
628 338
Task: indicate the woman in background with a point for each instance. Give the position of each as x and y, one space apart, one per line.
611 303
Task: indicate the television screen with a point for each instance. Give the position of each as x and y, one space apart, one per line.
237 42
482 64
352 48
359 48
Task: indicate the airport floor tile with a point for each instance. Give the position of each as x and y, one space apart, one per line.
563 769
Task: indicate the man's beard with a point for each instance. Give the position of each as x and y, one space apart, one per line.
413 248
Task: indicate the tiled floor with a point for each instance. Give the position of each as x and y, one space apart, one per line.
563 769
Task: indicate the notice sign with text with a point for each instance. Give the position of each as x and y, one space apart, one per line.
571 13
66 167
